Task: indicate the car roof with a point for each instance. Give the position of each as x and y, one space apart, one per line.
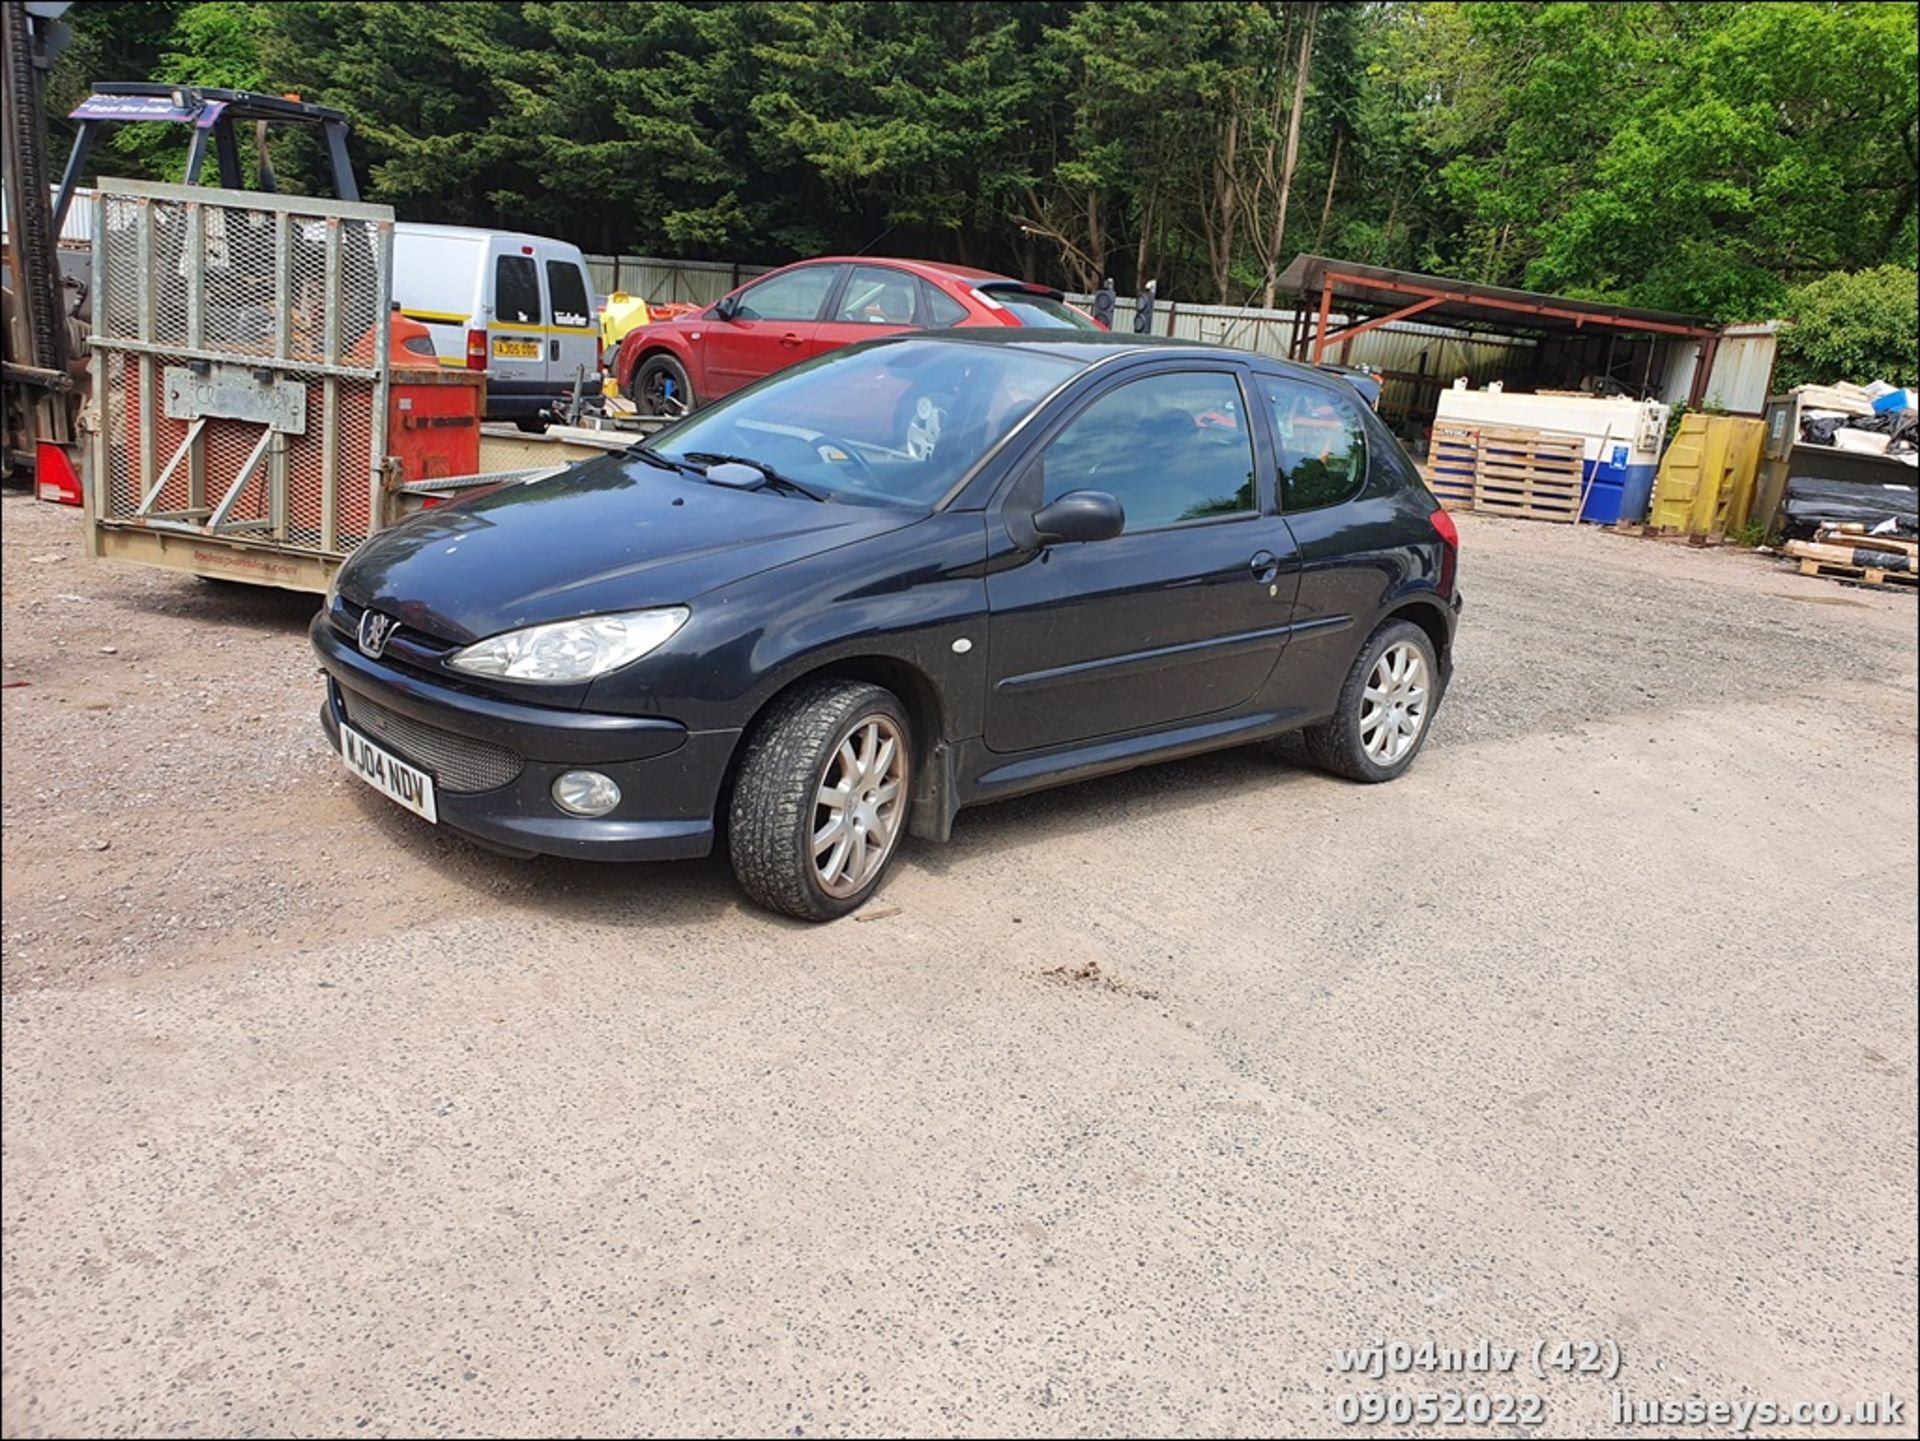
930 269
423 231
1088 348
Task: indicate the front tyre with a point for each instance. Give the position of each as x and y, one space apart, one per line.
1386 707
820 801
661 386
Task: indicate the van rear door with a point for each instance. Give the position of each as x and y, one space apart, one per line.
516 335
572 337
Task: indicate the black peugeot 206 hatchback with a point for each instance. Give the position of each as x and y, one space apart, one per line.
897 580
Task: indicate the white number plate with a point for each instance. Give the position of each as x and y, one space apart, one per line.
388 774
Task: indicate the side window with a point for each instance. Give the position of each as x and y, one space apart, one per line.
567 290
796 295
942 309
877 295
516 290
1170 448
1323 456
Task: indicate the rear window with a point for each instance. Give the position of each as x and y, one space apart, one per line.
568 292
516 290
1040 311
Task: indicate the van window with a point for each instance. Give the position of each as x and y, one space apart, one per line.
516 290
568 293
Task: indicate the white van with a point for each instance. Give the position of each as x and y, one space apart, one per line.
516 306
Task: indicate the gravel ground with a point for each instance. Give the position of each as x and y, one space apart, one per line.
1124 1111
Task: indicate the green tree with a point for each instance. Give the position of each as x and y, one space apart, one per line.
1859 327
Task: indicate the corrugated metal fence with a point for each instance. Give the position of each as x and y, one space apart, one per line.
1415 361
695 282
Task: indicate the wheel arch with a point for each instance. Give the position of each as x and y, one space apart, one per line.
1430 614
934 792
644 350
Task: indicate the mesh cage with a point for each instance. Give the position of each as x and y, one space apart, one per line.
239 345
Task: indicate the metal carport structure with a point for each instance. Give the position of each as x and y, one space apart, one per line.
1384 296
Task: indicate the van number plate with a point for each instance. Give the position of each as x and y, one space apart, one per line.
388 774
517 349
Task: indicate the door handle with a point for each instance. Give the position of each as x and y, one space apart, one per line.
1265 566
790 340
553 350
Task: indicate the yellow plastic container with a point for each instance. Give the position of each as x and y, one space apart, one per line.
1706 480
624 312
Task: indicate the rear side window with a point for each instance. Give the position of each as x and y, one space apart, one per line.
516 290
1041 311
1323 458
568 292
877 295
942 309
1170 448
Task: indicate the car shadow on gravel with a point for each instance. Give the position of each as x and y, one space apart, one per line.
225 603
1088 807
681 894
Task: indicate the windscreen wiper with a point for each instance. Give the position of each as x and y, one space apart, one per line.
768 474
664 462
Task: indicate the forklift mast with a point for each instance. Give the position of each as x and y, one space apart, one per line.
213 115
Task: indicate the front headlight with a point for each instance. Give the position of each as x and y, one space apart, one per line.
570 650
333 588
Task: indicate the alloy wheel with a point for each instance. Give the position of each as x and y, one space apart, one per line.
858 805
1394 706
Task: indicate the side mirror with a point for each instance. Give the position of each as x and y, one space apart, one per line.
727 307
1079 515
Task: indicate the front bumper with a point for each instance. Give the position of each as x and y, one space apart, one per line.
669 777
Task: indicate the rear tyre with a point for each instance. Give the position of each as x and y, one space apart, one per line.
661 386
820 801
1386 707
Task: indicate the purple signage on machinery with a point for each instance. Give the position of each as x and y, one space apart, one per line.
146 107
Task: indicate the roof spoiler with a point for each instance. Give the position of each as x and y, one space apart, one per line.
1022 287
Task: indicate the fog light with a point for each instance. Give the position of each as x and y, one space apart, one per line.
586 793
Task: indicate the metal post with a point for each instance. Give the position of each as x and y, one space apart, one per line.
383 370
144 322
330 394
282 285
196 262
1703 372
99 497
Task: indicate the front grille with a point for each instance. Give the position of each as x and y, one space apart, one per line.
458 763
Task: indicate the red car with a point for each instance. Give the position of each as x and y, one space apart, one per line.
672 366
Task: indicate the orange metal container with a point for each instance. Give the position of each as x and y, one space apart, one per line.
433 422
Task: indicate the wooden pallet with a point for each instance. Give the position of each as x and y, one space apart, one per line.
1860 575
1453 456
1532 474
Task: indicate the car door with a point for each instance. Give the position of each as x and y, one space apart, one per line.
1182 615
772 327
873 300
572 336
516 333
1348 532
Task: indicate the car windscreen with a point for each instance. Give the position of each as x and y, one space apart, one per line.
894 424
1041 311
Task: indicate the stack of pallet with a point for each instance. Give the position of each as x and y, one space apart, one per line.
1506 470
1849 552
